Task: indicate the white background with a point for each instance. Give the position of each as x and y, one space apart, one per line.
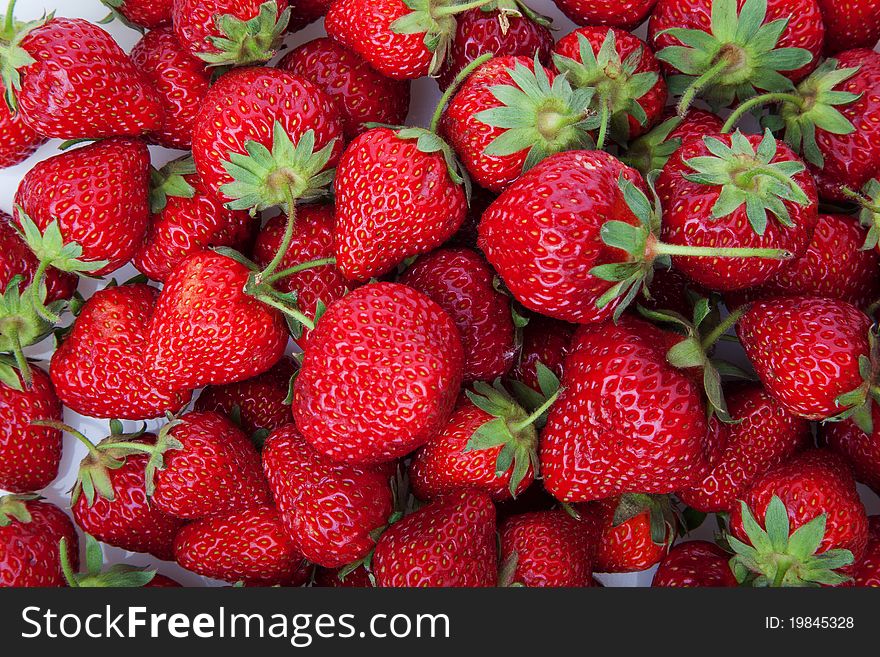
425 96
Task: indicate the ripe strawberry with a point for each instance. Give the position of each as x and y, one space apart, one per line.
180 80
30 531
303 12
29 455
814 524
501 30
116 576
231 32
329 510
634 531
867 571
791 342
544 341
728 49
361 94
396 196
206 329
449 543
149 14
258 404
186 219
717 192
630 92
640 430
860 449
340 578
69 79
17 141
627 15
100 369
653 150
850 24
462 283
265 137
98 194
546 549
380 377
249 545
203 465
695 564
673 291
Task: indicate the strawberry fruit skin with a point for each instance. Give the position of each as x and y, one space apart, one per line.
627 15
544 341
17 140
867 571
860 449
30 532
695 564
850 24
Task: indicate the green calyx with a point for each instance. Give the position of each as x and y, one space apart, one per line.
749 177
514 424
869 215
115 7
616 84
170 181
116 576
14 509
857 403
538 116
428 141
51 250
652 151
245 42
735 59
778 557
13 57
264 179
664 517
21 325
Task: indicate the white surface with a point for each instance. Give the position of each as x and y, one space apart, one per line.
425 96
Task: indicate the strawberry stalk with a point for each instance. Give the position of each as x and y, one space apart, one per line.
463 75
758 101
706 79
657 248
284 273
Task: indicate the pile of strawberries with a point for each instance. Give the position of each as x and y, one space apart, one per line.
505 321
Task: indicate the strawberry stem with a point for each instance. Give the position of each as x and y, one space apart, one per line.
66 567
538 412
716 334
285 239
287 310
662 248
54 424
763 99
699 84
11 332
303 266
604 120
456 83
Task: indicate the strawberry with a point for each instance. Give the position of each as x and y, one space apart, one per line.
29 455
462 283
303 12
380 377
544 341
860 449
640 430
814 524
546 549
673 291
653 150
449 543
329 510
695 564
203 465
721 191
850 24
116 576
149 14
69 79
258 404
867 571
256 135
339 578
790 343
249 545
764 435
17 141
508 29
627 15
630 92
634 531
184 220
30 532
181 82
99 368
722 50
361 94
206 329
98 194
231 32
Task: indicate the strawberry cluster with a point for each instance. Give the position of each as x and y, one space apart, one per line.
479 352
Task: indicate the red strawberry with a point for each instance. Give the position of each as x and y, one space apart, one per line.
627 15
546 549
361 94
186 219
29 455
653 150
394 200
716 192
249 545
17 141
544 341
258 404
728 49
292 126
161 581
69 79
30 532
501 31
672 290
99 369
695 564
180 80
764 434
327 577
330 510
231 32
449 543
203 465
98 194
810 508
149 14
303 12
634 532
860 449
462 283
207 330
380 377
867 571
850 24
807 352
626 421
